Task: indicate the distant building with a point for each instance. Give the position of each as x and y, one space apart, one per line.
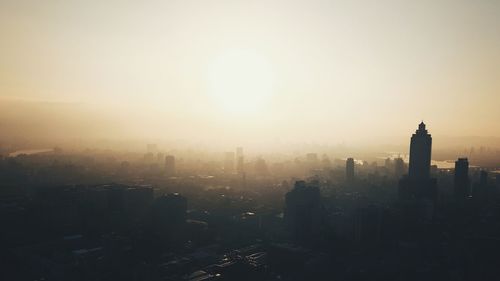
399 167
480 190
149 157
170 165
160 156
239 151
261 167
388 164
152 148
461 179
349 169
483 178
312 157
303 210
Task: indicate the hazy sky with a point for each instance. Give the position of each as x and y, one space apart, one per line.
303 70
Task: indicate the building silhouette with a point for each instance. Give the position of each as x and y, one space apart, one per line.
349 169
170 165
420 154
399 167
261 168
461 179
418 185
480 190
152 148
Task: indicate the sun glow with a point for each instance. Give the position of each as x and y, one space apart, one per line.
240 81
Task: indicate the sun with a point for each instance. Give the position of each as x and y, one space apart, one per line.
240 81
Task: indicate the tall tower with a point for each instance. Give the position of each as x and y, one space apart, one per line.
420 154
349 169
419 185
461 182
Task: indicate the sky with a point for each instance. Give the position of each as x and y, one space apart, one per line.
311 71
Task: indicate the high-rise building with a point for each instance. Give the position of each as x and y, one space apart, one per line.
461 179
349 169
420 154
418 185
229 162
170 165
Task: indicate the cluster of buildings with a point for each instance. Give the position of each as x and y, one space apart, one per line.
352 222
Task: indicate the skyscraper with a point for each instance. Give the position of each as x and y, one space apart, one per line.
461 179
349 169
418 185
420 154
170 165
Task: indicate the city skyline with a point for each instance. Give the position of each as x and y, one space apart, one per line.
272 140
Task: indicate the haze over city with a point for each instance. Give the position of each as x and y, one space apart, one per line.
315 71
249 140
